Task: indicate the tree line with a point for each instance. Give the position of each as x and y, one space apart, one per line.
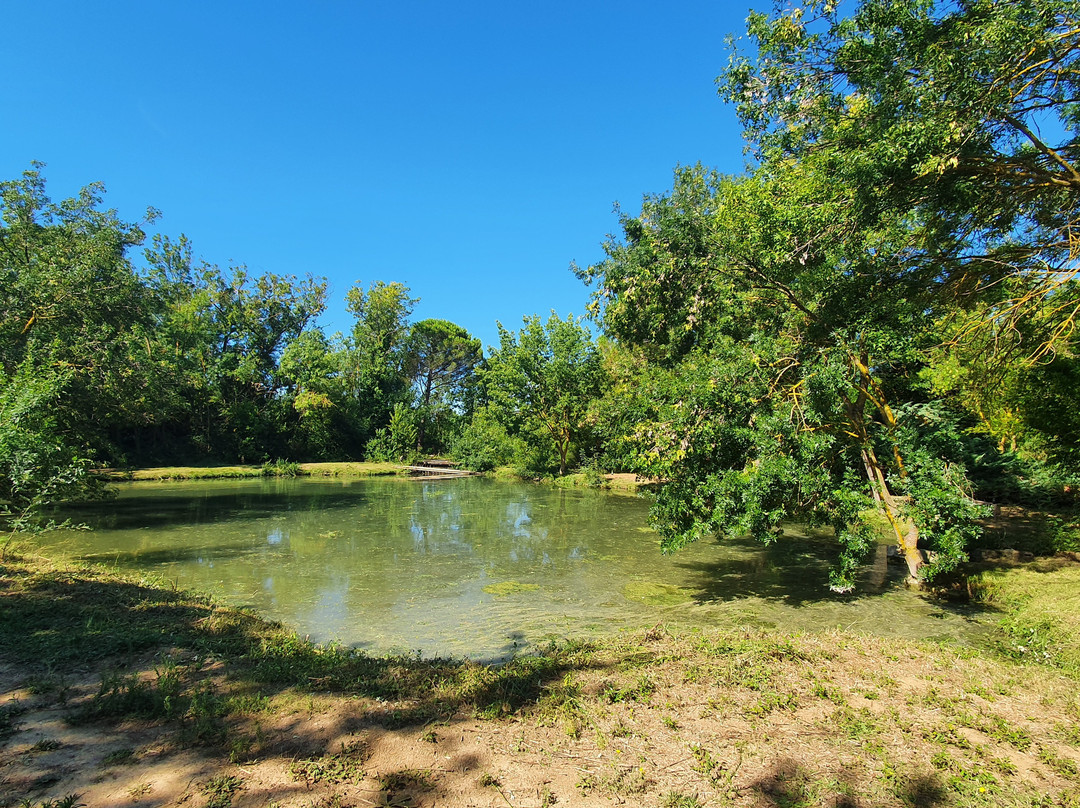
873 326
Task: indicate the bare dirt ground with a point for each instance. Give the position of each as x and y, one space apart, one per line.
744 719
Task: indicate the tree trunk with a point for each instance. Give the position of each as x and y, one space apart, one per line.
907 534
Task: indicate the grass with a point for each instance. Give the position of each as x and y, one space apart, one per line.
279 468
1041 602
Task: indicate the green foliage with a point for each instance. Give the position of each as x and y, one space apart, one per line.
281 468
904 215
397 440
441 359
484 443
39 465
539 385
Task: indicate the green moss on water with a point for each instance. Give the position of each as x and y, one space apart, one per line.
654 594
509 588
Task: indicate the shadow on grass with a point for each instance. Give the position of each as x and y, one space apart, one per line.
789 785
55 620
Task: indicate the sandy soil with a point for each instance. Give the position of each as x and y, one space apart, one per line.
657 721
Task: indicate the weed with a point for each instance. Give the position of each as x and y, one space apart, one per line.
669 722
121 696
219 790
119 757
1069 733
9 722
70 801
46 684
394 784
139 790
344 767
772 700
674 799
490 780
824 691
281 468
1063 766
947 735
719 776
45 745
641 691
1001 730
251 704
429 736
857 725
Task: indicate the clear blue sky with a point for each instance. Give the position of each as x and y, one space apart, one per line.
470 150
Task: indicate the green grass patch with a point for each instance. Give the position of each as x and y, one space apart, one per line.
277 468
1041 606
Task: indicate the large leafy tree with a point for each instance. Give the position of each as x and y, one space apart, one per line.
374 357
71 299
542 379
963 115
901 188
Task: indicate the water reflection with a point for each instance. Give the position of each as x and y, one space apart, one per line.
474 567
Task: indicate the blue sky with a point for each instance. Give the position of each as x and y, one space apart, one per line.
470 150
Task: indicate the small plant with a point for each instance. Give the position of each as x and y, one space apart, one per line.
674 799
344 767
1063 766
139 790
394 784
118 757
45 745
9 719
70 801
281 468
490 780
220 790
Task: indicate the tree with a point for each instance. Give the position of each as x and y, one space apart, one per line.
791 313
233 328
70 297
441 360
373 361
965 116
541 381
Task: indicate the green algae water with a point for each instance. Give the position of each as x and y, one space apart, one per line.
478 568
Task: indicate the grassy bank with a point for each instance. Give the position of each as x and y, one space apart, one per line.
124 690
342 469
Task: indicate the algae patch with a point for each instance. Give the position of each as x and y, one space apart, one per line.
653 594
509 588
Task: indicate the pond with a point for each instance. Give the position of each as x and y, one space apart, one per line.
476 567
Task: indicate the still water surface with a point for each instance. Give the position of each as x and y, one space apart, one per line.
475 567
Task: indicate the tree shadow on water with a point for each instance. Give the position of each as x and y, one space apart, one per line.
792 570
